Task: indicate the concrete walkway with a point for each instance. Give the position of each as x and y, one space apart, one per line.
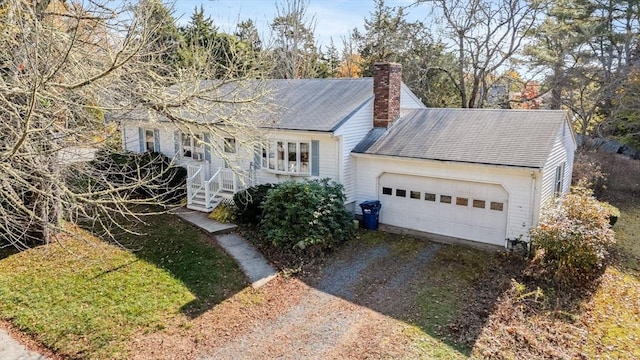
11 349
252 263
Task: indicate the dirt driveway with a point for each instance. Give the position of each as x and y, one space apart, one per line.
362 303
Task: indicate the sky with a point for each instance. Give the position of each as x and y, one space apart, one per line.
334 18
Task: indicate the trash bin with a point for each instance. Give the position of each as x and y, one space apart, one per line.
370 213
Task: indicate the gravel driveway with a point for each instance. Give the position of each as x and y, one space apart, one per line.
359 304
355 307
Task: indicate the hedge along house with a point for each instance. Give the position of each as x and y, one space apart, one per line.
470 174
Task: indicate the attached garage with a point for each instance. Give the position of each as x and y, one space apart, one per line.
478 175
462 209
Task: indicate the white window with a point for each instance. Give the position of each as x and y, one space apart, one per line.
192 146
289 157
230 145
149 140
559 180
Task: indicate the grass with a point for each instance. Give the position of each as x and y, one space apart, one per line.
451 275
84 298
628 239
613 314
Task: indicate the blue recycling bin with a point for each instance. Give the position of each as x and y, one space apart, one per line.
371 213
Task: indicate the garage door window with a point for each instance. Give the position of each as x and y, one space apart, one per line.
430 197
498 206
445 199
386 191
480 204
414 195
462 201
401 193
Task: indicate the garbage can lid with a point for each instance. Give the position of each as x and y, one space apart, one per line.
370 204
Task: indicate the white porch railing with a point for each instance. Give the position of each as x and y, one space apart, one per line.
202 194
195 182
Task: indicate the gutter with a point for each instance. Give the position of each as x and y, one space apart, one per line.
396 158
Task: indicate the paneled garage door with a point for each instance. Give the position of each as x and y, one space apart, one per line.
462 209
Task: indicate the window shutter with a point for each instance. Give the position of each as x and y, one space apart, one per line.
207 148
176 144
257 157
141 139
156 140
315 158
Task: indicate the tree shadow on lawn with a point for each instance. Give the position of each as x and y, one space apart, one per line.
190 256
448 292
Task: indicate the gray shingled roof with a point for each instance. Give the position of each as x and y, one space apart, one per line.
295 104
317 104
520 138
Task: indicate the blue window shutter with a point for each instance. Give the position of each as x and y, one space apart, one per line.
257 157
315 158
141 139
176 143
156 140
207 148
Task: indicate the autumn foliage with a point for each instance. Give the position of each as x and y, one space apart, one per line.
572 238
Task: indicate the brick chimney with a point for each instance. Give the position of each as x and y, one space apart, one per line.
387 78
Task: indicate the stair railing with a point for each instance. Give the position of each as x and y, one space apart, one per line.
194 186
212 187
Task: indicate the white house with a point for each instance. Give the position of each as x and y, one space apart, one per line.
472 174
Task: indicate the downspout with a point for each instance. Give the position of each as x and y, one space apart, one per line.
124 136
533 208
340 158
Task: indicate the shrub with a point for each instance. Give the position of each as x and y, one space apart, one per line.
157 177
572 238
302 214
223 213
587 168
249 203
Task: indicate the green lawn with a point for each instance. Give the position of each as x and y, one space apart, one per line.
614 311
85 298
452 274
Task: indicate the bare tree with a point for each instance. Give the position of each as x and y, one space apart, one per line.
63 69
294 50
486 34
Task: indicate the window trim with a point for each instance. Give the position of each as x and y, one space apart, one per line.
153 141
558 184
229 145
277 150
193 146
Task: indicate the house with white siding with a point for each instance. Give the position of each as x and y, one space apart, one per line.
479 175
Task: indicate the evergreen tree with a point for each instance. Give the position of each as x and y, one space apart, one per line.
388 36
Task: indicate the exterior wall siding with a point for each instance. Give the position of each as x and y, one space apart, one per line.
352 132
562 151
408 100
519 183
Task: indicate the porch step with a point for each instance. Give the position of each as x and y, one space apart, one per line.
199 207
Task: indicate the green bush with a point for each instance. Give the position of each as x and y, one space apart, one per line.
572 238
153 173
302 214
249 203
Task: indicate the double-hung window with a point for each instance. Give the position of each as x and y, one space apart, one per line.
149 140
289 157
559 180
192 146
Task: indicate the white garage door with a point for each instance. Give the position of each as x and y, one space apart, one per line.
462 209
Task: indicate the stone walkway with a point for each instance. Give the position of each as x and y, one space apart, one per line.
11 349
252 263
